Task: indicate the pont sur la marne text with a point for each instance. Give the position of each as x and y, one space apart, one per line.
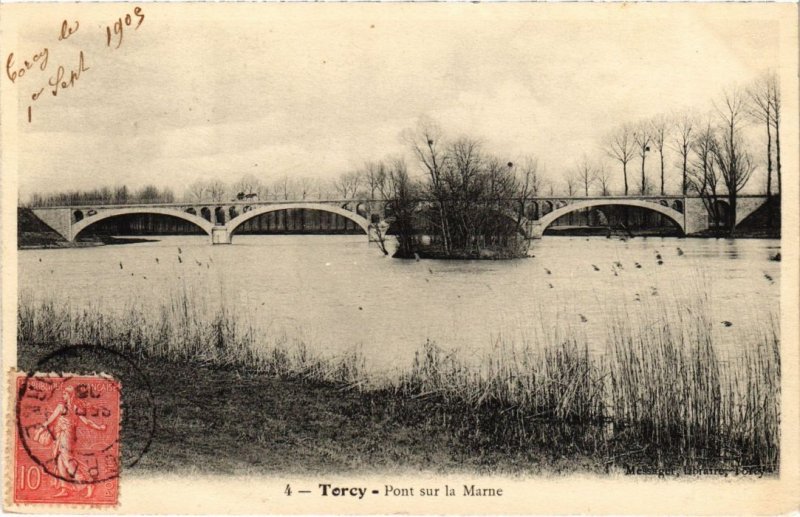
331 490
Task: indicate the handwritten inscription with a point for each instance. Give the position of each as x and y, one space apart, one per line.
15 71
121 23
60 81
68 30
66 77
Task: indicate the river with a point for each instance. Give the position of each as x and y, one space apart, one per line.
337 292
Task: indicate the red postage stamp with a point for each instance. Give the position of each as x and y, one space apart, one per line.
66 447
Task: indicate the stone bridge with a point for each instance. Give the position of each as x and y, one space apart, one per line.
689 213
220 220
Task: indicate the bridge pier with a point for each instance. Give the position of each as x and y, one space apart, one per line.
220 235
535 230
695 216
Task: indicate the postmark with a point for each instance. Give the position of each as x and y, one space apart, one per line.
66 446
107 388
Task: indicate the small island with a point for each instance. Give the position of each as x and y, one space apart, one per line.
469 204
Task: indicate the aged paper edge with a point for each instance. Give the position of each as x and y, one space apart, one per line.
574 494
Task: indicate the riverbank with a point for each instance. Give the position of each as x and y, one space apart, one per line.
227 420
741 233
39 242
230 400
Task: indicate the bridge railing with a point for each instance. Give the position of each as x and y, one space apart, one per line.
207 203
340 201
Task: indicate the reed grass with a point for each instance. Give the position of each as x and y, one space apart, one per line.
661 393
183 329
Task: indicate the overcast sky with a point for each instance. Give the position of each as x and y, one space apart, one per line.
316 90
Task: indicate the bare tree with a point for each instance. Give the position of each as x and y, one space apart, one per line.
571 184
347 184
462 178
620 146
216 190
428 145
546 185
604 180
529 181
399 192
760 108
585 175
731 156
247 185
374 175
147 194
703 177
196 191
324 189
659 129
121 195
642 139
283 188
682 142
264 190
318 188
775 96
305 186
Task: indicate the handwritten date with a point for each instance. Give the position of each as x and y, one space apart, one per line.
60 80
119 26
67 77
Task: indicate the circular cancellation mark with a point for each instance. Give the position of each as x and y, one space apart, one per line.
137 419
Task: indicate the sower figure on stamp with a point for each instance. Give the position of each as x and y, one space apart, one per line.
66 418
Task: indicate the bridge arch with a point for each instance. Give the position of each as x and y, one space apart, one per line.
234 223
548 219
84 223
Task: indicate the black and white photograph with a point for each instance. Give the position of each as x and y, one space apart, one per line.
346 247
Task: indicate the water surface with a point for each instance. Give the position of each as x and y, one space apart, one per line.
336 292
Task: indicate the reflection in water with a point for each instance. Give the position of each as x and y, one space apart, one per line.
336 292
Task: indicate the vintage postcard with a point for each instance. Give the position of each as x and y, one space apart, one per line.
424 258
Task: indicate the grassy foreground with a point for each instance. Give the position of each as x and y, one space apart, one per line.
236 420
228 399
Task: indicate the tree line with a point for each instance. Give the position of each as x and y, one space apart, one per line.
711 154
120 195
716 156
356 184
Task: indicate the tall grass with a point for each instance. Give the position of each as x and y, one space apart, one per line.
662 392
673 391
184 328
